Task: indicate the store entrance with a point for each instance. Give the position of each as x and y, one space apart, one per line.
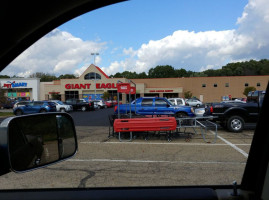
151 95
170 95
71 95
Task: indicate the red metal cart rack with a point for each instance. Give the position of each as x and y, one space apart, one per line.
144 124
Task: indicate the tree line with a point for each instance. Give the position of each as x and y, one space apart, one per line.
45 77
246 68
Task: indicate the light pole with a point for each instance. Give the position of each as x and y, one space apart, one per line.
94 55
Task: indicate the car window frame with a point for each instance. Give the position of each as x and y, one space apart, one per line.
258 156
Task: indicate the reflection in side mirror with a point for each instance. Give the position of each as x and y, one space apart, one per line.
38 140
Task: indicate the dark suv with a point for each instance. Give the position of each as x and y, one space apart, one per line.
80 104
35 107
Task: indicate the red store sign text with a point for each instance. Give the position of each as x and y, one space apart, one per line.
161 90
78 86
88 85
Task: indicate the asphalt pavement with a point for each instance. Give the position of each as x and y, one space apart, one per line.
92 118
102 161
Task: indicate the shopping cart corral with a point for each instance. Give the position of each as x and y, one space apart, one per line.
203 125
156 126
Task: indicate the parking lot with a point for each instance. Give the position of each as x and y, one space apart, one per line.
101 162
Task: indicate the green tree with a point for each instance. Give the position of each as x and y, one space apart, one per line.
44 77
248 89
142 75
4 76
3 98
117 75
106 96
67 76
181 73
165 71
187 94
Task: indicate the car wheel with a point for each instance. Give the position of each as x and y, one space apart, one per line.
235 124
83 108
62 110
99 107
18 112
43 111
198 105
181 115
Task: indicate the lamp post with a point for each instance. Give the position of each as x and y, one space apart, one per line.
94 55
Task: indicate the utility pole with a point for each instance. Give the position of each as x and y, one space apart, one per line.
94 55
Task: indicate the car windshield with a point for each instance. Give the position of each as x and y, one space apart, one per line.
171 102
206 50
60 102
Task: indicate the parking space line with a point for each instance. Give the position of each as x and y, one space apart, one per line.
159 143
155 161
232 145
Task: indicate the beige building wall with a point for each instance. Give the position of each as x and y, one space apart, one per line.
208 89
60 86
216 87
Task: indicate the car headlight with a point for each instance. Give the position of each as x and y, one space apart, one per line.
192 110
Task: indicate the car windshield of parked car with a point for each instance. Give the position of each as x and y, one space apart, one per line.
206 50
61 103
172 102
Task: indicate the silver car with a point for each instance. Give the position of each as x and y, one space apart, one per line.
194 102
99 104
177 101
62 107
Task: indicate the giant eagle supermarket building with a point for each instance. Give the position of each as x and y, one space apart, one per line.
94 82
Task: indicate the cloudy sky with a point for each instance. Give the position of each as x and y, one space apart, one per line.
138 35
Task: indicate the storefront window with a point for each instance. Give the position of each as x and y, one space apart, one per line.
91 76
71 95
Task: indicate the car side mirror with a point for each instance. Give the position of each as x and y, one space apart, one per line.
32 141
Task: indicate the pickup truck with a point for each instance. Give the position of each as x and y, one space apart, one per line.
155 106
80 104
234 115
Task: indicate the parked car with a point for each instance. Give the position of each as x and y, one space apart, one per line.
99 104
35 107
110 103
7 104
194 102
234 115
62 107
177 101
233 101
155 106
80 104
20 103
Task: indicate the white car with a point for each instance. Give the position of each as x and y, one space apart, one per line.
177 101
62 107
194 102
21 103
99 104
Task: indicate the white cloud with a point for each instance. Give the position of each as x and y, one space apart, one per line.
60 52
129 52
56 53
199 51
